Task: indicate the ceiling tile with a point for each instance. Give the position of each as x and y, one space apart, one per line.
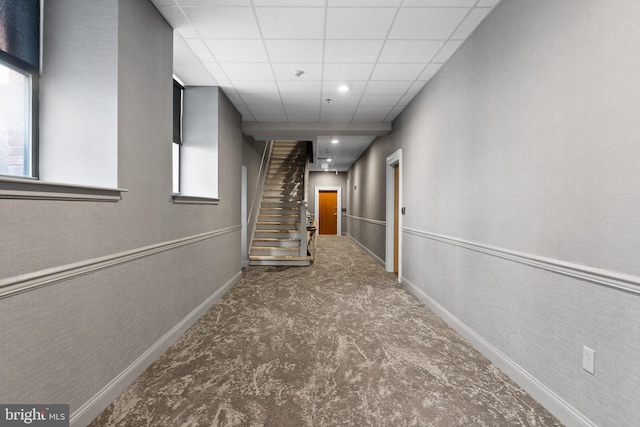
336 118
188 67
394 113
215 70
369 117
233 96
291 22
470 23
359 23
178 21
301 117
426 23
227 85
410 50
379 100
340 99
346 72
244 111
236 50
416 87
288 2
387 87
487 3
439 3
299 87
338 109
241 71
271 117
214 2
290 99
257 110
285 70
164 2
223 22
307 110
330 88
200 49
262 99
429 71
295 50
405 100
249 87
352 50
368 3
448 49
397 71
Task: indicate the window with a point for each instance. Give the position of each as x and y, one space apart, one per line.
197 154
19 66
15 123
178 89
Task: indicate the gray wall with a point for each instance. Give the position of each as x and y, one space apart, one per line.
521 188
64 342
366 221
328 179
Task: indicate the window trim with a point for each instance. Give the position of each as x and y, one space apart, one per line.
183 199
25 188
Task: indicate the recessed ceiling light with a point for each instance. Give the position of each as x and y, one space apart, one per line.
343 88
334 141
329 160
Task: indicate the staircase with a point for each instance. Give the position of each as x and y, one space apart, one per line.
280 234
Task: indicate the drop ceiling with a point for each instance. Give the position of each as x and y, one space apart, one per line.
384 51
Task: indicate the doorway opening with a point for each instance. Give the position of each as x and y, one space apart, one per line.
328 210
393 253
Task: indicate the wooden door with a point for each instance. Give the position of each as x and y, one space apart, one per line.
328 212
396 215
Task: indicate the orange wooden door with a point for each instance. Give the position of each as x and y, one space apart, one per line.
328 212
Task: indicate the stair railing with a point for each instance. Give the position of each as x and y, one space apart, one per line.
259 189
304 205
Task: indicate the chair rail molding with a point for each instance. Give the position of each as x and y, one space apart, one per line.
623 282
31 281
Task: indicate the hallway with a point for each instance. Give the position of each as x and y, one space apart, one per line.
337 343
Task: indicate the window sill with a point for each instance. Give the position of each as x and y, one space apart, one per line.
32 189
183 199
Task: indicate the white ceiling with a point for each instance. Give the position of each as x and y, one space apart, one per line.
385 51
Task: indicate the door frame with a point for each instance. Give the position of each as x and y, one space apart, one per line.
393 160
316 213
244 252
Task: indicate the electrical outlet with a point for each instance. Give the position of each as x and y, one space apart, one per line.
588 359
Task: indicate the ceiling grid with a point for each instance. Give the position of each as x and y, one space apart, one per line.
384 51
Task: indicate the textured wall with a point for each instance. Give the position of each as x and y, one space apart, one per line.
64 342
367 195
326 179
520 182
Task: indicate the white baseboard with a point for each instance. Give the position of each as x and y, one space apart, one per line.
371 254
94 406
566 413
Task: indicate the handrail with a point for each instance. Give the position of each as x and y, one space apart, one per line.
304 206
260 179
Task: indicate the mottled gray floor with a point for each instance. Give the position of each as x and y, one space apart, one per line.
339 343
